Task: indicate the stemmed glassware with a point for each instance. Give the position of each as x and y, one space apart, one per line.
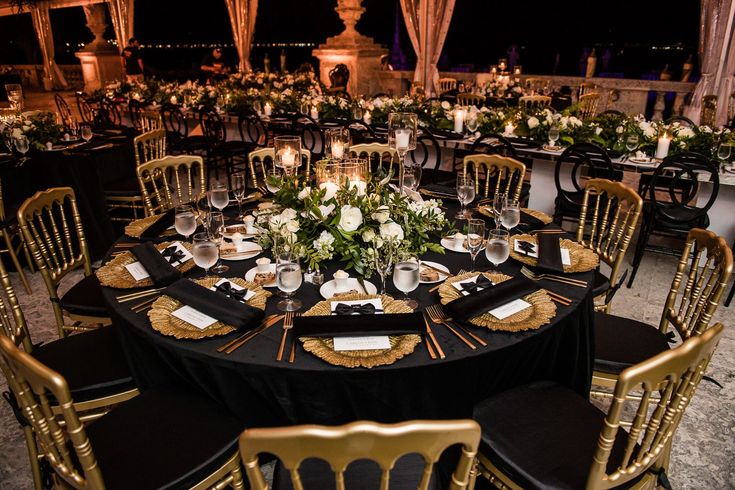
22 145
218 195
402 128
8 140
86 133
498 205
412 176
273 179
723 153
287 151
465 194
288 279
338 142
475 238
205 252
406 279
384 261
185 221
510 215
498 247
216 229
631 144
553 135
471 123
238 189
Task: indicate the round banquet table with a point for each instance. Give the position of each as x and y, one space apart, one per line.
264 392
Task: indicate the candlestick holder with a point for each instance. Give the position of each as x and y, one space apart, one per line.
402 129
338 142
287 151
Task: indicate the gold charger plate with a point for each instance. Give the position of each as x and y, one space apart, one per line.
137 227
540 313
114 274
539 215
164 322
323 347
583 259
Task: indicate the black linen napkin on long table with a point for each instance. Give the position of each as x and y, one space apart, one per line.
154 230
549 252
479 302
359 325
215 304
161 271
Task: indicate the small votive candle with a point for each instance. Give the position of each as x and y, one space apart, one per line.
367 118
267 109
314 113
403 135
288 157
509 128
174 100
338 150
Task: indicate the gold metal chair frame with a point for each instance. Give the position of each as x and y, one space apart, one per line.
447 85
257 158
503 170
534 102
615 209
588 105
468 99
674 375
585 88
43 219
342 445
379 151
7 236
161 180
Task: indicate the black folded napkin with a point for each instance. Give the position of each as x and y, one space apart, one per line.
481 282
158 267
227 289
358 325
467 307
549 252
215 304
363 309
441 189
529 223
154 230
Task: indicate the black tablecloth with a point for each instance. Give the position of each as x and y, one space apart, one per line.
264 392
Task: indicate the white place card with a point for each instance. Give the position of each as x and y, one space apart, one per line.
504 311
565 257
194 317
376 302
234 286
137 270
458 285
361 343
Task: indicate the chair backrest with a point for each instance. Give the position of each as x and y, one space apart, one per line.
149 146
339 446
312 138
466 98
577 164
360 132
499 174
165 182
258 162
428 152
174 122
252 130
63 108
108 114
673 376
496 102
447 85
87 112
492 143
12 320
377 154
585 88
40 392
143 119
698 285
588 105
607 221
534 103
213 128
681 120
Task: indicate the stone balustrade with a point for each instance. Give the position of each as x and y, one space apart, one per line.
32 75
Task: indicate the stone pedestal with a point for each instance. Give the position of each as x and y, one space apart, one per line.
100 61
358 52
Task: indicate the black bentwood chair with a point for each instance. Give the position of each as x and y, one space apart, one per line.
178 139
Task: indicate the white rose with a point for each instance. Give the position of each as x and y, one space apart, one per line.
705 129
598 130
288 214
275 221
350 218
304 193
16 133
381 215
330 190
446 105
391 230
685 133
368 235
619 130
532 122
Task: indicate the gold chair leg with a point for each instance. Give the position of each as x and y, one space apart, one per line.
14 259
33 458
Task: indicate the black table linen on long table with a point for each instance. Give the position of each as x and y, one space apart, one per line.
263 392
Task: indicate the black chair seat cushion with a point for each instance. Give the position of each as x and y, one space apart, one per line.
543 435
679 219
600 285
163 438
316 474
92 362
621 342
85 298
128 187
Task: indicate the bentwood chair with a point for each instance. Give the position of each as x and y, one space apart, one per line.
534 103
693 298
587 105
468 99
231 155
92 362
10 232
543 435
361 455
87 111
312 138
360 133
53 230
165 182
145 443
142 119
447 85
378 155
63 107
178 138
258 162
607 221
108 115
252 131
427 154
495 173
124 195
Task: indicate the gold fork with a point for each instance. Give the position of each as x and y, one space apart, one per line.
287 324
440 311
461 271
551 277
436 317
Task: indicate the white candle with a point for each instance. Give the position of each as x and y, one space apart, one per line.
361 186
367 118
459 120
288 157
314 113
338 150
509 128
403 136
662 149
331 189
267 109
174 100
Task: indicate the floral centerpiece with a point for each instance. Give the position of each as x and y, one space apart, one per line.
39 127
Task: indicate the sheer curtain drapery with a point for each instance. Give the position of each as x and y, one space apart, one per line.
242 17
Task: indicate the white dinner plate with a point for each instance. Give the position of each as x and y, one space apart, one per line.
329 288
250 275
250 251
449 245
231 229
436 265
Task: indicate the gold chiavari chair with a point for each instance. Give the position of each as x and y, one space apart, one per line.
125 194
693 298
544 435
144 119
342 446
170 180
468 99
130 446
607 221
257 160
53 230
506 173
378 154
534 103
10 231
93 363
588 105
708 113
447 85
586 88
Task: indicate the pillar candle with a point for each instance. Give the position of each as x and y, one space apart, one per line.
662 149
367 118
459 120
314 113
509 128
267 110
338 150
288 157
403 136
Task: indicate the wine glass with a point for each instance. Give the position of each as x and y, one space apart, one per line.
475 238
553 136
185 221
412 176
406 279
498 247
465 194
216 230
205 252
273 179
471 122
510 215
86 133
288 280
218 195
201 205
384 261
631 143
723 153
22 145
498 205
238 188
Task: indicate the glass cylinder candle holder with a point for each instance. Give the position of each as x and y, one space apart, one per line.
287 150
328 177
402 132
353 172
338 142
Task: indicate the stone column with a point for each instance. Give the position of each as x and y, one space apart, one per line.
100 60
358 52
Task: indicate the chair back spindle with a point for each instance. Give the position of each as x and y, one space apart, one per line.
168 181
495 173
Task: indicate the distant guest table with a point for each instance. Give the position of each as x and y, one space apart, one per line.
264 392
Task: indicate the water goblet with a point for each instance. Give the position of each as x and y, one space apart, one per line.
471 122
218 195
406 279
631 144
238 188
288 280
475 238
723 154
498 247
86 133
498 205
22 145
553 135
216 230
465 194
273 179
205 252
185 221
411 176
510 215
